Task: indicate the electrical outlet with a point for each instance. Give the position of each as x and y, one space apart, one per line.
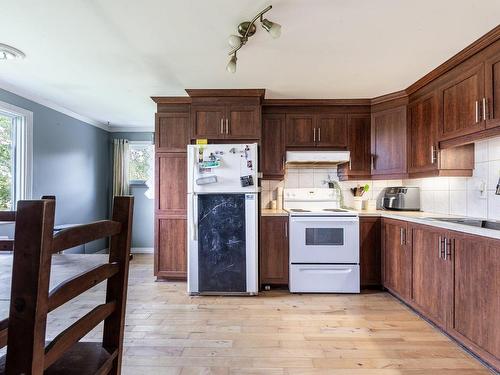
483 192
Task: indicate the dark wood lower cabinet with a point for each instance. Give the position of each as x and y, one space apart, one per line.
453 281
273 253
171 248
432 273
369 241
477 294
397 259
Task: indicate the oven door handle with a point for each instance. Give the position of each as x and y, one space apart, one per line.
325 219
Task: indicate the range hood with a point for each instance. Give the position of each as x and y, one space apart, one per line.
317 157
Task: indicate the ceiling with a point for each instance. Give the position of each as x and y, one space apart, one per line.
104 59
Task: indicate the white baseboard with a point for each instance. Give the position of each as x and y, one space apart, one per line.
103 251
142 250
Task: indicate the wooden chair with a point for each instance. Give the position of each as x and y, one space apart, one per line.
35 243
6 245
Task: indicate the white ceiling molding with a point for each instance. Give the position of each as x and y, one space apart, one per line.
131 129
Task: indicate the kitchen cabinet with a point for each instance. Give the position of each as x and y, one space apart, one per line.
274 250
273 146
171 247
461 97
491 102
172 132
300 130
432 273
477 292
359 146
388 143
171 183
328 130
425 159
370 253
232 121
397 258
331 130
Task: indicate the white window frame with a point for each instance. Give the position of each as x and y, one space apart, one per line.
139 143
23 179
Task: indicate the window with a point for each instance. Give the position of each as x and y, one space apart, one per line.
15 155
141 162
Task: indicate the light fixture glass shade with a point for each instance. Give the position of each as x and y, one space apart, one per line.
10 53
273 28
231 65
234 41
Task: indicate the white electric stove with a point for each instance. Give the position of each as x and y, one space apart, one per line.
324 242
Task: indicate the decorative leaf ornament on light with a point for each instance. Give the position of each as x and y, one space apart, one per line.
247 29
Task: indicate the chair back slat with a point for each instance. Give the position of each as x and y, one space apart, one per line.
80 283
30 285
30 301
67 338
3 332
82 234
8 216
117 285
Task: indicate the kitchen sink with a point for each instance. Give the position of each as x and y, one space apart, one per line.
488 224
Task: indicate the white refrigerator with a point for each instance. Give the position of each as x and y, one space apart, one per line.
222 219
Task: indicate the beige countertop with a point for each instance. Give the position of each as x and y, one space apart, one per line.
270 212
418 217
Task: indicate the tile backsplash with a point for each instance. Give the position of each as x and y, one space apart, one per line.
469 196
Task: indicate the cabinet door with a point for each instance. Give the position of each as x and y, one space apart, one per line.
171 183
397 258
274 250
492 90
273 146
171 247
432 273
300 130
422 129
208 121
172 132
389 142
369 239
244 122
477 291
461 102
358 134
331 130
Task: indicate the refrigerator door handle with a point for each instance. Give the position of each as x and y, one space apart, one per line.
194 218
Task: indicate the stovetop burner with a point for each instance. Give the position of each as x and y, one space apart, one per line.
299 210
335 210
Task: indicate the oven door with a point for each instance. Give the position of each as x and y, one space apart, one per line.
324 239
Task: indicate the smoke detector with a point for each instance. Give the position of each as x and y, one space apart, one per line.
10 53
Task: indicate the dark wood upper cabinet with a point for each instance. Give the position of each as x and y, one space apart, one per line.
461 98
359 146
477 292
274 250
422 128
370 253
331 130
432 273
273 146
243 122
397 258
388 143
172 132
208 121
491 109
300 130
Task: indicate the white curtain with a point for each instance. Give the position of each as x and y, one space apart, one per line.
120 167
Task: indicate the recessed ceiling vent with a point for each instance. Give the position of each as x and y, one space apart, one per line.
10 53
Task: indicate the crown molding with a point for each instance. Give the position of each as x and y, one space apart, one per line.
315 102
49 104
171 99
131 129
194 93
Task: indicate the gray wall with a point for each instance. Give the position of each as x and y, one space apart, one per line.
70 161
143 228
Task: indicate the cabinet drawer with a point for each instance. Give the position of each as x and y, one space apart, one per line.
324 278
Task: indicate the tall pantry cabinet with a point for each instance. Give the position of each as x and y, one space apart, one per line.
172 135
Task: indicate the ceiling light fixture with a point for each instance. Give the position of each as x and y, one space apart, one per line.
247 29
10 53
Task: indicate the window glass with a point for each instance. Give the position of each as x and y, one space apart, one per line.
7 163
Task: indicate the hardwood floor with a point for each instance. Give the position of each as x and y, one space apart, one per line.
171 333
